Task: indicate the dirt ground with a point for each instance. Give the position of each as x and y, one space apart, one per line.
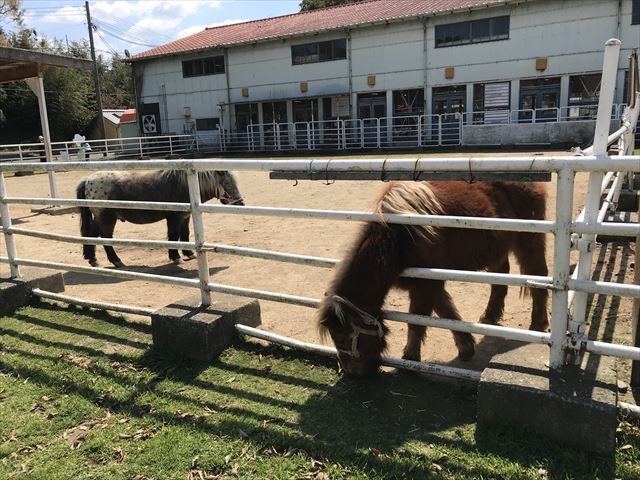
312 237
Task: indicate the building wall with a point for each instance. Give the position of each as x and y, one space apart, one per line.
569 33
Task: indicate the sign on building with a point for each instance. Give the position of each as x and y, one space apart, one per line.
340 106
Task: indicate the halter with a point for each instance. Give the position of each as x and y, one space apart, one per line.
356 330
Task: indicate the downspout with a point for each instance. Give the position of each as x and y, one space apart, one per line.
619 21
350 70
426 64
226 76
425 119
138 79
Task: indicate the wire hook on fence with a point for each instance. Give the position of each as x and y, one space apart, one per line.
416 173
326 174
528 177
472 177
383 173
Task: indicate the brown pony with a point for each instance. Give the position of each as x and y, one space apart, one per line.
351 311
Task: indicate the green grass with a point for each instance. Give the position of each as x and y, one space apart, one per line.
83 397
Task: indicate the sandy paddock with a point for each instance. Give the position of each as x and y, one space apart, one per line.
312 237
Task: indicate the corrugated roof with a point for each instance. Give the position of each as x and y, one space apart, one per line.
325 19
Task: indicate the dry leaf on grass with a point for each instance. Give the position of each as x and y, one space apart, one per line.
196 474
119 455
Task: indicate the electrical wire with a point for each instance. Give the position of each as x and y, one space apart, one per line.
120 31
124 39
123 21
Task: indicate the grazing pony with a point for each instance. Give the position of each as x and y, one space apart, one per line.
155 186
351 310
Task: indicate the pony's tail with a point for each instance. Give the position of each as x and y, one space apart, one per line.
87 225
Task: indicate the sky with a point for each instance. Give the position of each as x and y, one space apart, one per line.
138 25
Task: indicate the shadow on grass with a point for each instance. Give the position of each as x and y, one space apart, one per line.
392 426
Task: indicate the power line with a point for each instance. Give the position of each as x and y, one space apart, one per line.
120 31
106 30
120 20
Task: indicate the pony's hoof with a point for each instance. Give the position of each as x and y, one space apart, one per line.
190 257
118 264
488 320
94 263
466 348
411 356
176 261
539 327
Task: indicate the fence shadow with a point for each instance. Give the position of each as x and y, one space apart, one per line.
169 269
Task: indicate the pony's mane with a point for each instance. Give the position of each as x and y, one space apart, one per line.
209 184
413 198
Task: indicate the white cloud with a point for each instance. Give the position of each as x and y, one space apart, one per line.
198 28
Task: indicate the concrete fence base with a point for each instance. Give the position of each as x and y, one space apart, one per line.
201 333
575 407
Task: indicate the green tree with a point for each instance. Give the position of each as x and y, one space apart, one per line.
306 5
116 83
10 12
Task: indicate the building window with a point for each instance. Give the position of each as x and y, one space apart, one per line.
584 91
207 124
635 12
491 102
203 66
319 52
408 102
476 31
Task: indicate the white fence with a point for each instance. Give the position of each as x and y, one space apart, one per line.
567 337
418 131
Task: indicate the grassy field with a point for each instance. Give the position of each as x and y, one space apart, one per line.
83 397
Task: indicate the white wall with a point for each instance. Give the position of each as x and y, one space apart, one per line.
569 33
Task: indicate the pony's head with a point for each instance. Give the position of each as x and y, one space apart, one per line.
358 336
228 192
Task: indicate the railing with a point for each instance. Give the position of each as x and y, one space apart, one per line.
340 134
111 148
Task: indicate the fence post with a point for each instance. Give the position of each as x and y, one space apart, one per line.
106 147
140 144
170 145
561 261
6 228
198 234
586 242
439 129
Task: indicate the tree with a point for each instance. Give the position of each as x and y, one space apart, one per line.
9 12
307 5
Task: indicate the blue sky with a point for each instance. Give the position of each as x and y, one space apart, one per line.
138 25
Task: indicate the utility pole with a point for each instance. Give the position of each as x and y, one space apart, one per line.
96 77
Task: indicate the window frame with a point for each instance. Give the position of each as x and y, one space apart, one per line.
214 65
635 12
214 120
318 46
468 25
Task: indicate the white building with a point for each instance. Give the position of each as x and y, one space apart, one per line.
392 73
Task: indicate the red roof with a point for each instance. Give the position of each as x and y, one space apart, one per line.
128 116
325 19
